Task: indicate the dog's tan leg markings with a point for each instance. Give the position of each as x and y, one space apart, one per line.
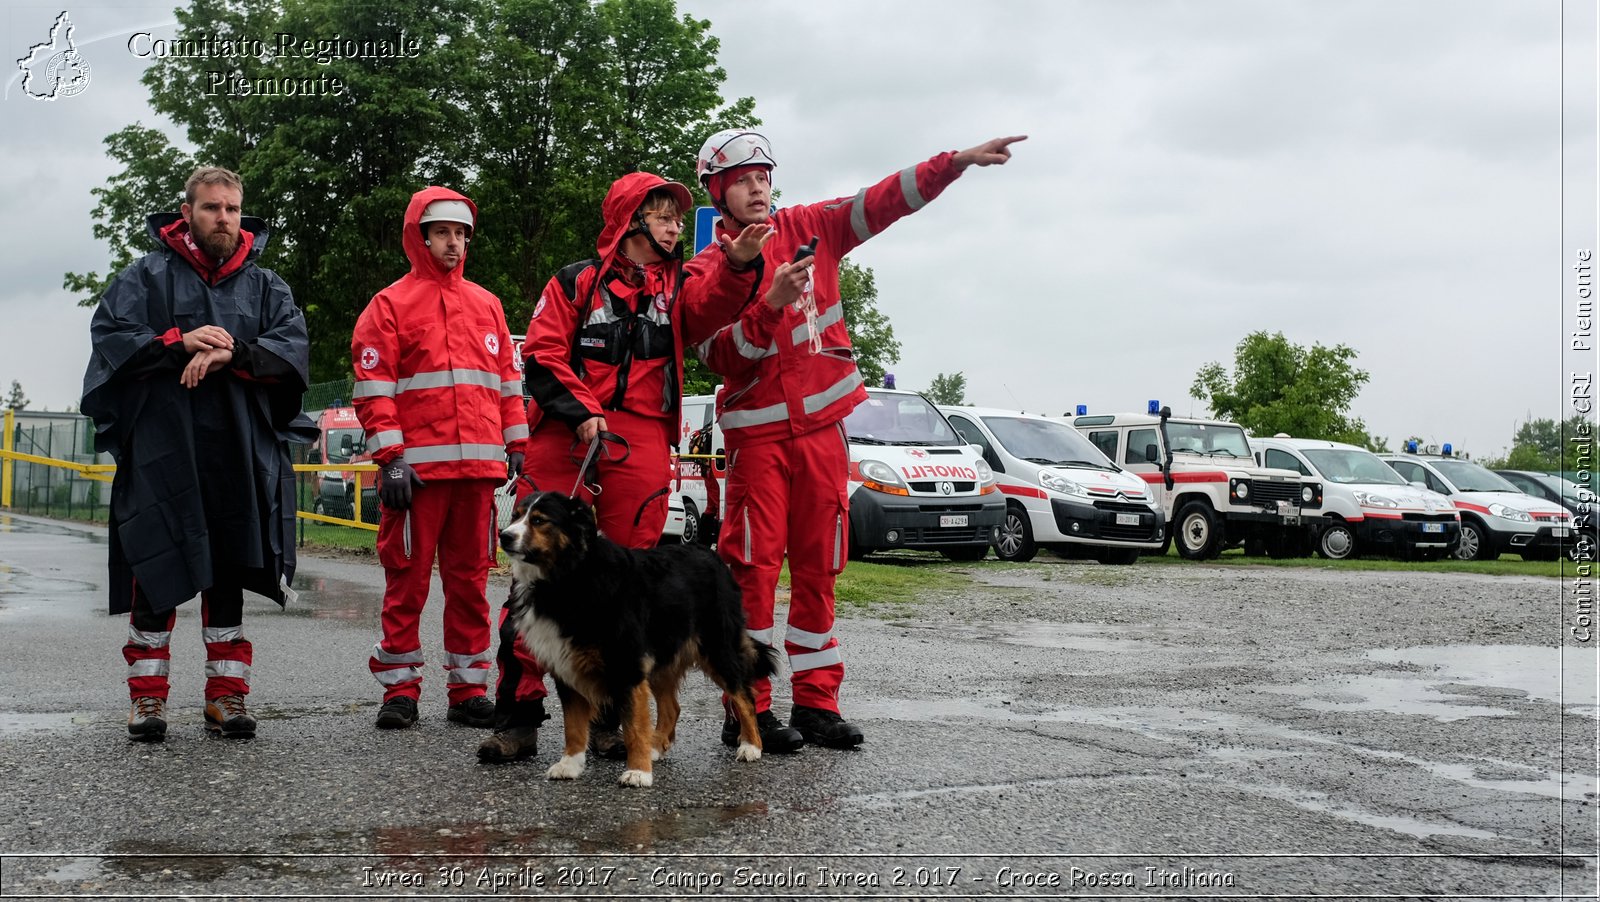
576 712
664 686
744 707
636 734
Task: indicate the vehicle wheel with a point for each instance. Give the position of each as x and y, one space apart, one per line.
1199 532
1337 541
1476 543
965 552
691 523
1118 556
1015 543
317 508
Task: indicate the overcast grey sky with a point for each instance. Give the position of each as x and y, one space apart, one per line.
1383 174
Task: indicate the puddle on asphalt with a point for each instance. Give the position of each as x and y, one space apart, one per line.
1046 634
1562 675
12 723
1310 800
1394 695
324 598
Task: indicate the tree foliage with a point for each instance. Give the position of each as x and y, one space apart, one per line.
16 400
530 107
950 389
1277 386
1545 445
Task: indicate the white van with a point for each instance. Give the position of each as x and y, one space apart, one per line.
914 483
1061 492
1366 505
1496 516
1206 480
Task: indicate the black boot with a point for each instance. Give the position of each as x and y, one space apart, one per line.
775 737
822 727
516 732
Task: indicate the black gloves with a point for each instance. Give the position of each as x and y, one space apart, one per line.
513 465
395 480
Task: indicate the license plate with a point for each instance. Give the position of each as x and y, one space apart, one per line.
1433 527
1559 532
948 520
1127 519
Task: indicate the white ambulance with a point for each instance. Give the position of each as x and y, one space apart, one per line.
1061 492
1206 480
914 482
1496 516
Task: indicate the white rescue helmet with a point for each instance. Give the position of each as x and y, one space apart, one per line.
730 148
447 211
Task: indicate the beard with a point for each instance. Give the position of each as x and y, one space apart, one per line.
219 244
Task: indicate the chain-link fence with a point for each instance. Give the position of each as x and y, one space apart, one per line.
50 491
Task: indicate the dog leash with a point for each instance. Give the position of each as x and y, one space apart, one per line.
583 468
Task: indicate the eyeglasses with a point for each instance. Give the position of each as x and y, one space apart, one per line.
663 219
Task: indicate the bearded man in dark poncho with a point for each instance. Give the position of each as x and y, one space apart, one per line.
199 363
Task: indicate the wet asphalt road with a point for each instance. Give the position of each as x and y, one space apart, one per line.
1058 730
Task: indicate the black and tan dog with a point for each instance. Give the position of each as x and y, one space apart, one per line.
615 626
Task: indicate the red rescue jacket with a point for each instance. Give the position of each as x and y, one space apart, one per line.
436 376
774 385
608 335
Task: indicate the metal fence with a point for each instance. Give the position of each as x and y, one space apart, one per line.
51 490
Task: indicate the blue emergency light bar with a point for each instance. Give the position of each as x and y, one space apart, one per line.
1446 449
1083 409
888 380
1411 447
1153 408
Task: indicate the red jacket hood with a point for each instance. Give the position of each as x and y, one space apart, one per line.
422 263
625 196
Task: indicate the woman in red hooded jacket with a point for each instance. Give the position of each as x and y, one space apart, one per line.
604 363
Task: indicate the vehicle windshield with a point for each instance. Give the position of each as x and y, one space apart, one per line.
1208 440
1045 442
1346 467
336 455
894 419
1467 476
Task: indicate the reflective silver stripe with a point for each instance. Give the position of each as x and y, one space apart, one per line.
908 187
746 539
373 388
762 636
811 660
704 347
515 432
236 669
449 378
210 634
149 667
801 334
858 215
396 657
838 540
398 675
149 640
832 393
810 640
433 454
388 438
739 419
472 676
747 349
511 388
454 660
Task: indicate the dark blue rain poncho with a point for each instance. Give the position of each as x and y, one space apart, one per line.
204 489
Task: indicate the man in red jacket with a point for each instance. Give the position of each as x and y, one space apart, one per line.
790 379
438 394
604 361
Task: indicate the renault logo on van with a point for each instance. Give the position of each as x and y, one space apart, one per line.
946 488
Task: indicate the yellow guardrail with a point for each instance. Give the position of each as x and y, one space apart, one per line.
355 520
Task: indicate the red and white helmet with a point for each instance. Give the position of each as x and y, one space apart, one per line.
729 148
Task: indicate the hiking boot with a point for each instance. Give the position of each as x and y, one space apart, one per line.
775 737
227 716
147 721
516 732
397 713
823 727
476 711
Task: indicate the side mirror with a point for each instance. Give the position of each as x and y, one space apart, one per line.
1151 453
347 444
719 464
1419 484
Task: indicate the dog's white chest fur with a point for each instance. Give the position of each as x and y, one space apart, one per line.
540 634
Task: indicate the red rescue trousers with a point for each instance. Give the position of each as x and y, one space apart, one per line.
791 493
228 653
454 518
631 507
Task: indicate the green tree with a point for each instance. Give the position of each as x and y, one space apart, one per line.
1547 445
950 389
530 107
871 335
16 400
1277 386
